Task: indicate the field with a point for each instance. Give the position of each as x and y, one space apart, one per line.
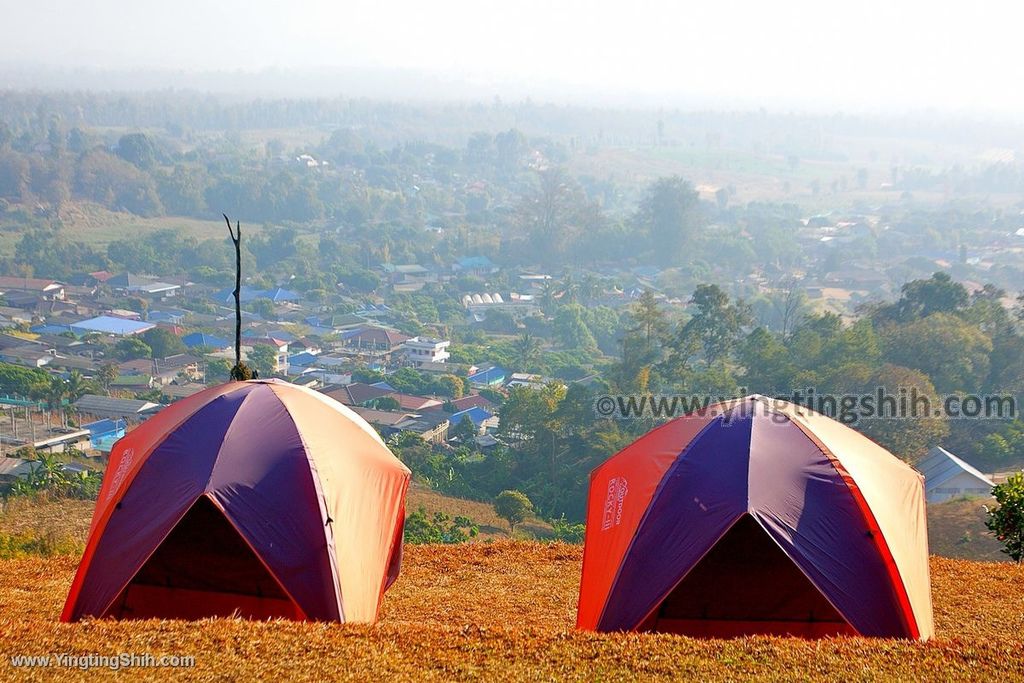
504 610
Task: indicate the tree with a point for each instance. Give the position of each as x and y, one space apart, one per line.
572 330
527 350
132 348
162 342
512 506
649 318
77 386
451 385
715 328
908 436
465 430
107 375
670 214
1006 520
137 149
938 294
951 351
264 359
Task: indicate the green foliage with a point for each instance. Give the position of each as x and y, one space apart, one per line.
14 546
263 358
162 342
512 506
1006 520
566 531
132 348
420 528
669 213
47 476
18 381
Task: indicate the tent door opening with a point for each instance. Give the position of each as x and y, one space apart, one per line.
746 585
204 568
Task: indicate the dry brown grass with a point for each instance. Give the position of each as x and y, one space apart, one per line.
504 611
497 611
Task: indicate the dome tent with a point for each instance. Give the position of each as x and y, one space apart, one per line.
258 498
756 516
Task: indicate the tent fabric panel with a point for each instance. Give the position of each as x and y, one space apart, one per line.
804 503
700 497
170 480
364 485
893 494
620 493
125 460
263 483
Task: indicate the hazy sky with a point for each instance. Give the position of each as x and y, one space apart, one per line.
856 53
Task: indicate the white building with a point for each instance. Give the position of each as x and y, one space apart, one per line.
947 476
420 350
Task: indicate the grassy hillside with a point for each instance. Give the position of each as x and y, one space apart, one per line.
505 611
491 526
68 520
957 529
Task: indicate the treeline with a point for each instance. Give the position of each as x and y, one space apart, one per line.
937 340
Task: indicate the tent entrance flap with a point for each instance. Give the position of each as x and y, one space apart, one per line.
746 585
204 568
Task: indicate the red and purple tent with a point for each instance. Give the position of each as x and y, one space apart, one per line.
258 498
756 516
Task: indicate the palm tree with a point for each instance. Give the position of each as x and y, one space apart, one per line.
527 348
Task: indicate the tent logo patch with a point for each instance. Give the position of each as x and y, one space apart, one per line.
616 494
122 471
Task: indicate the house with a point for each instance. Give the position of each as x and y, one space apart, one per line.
169 316
344 321
103 434
413 403
48 290
356 394
141 285
107 324
372 338
124 408
249 294
384 420
431 427
28 355
426 350
494 375
482 419
524 379
166 370
12 469
60 442
206 341
947 476
280 346
475 265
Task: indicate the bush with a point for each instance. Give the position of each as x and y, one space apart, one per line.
566 531
1006 520
25 544
440 529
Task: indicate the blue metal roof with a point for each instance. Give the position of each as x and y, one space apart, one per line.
494 375
302 360
201 339
108 324
477 414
